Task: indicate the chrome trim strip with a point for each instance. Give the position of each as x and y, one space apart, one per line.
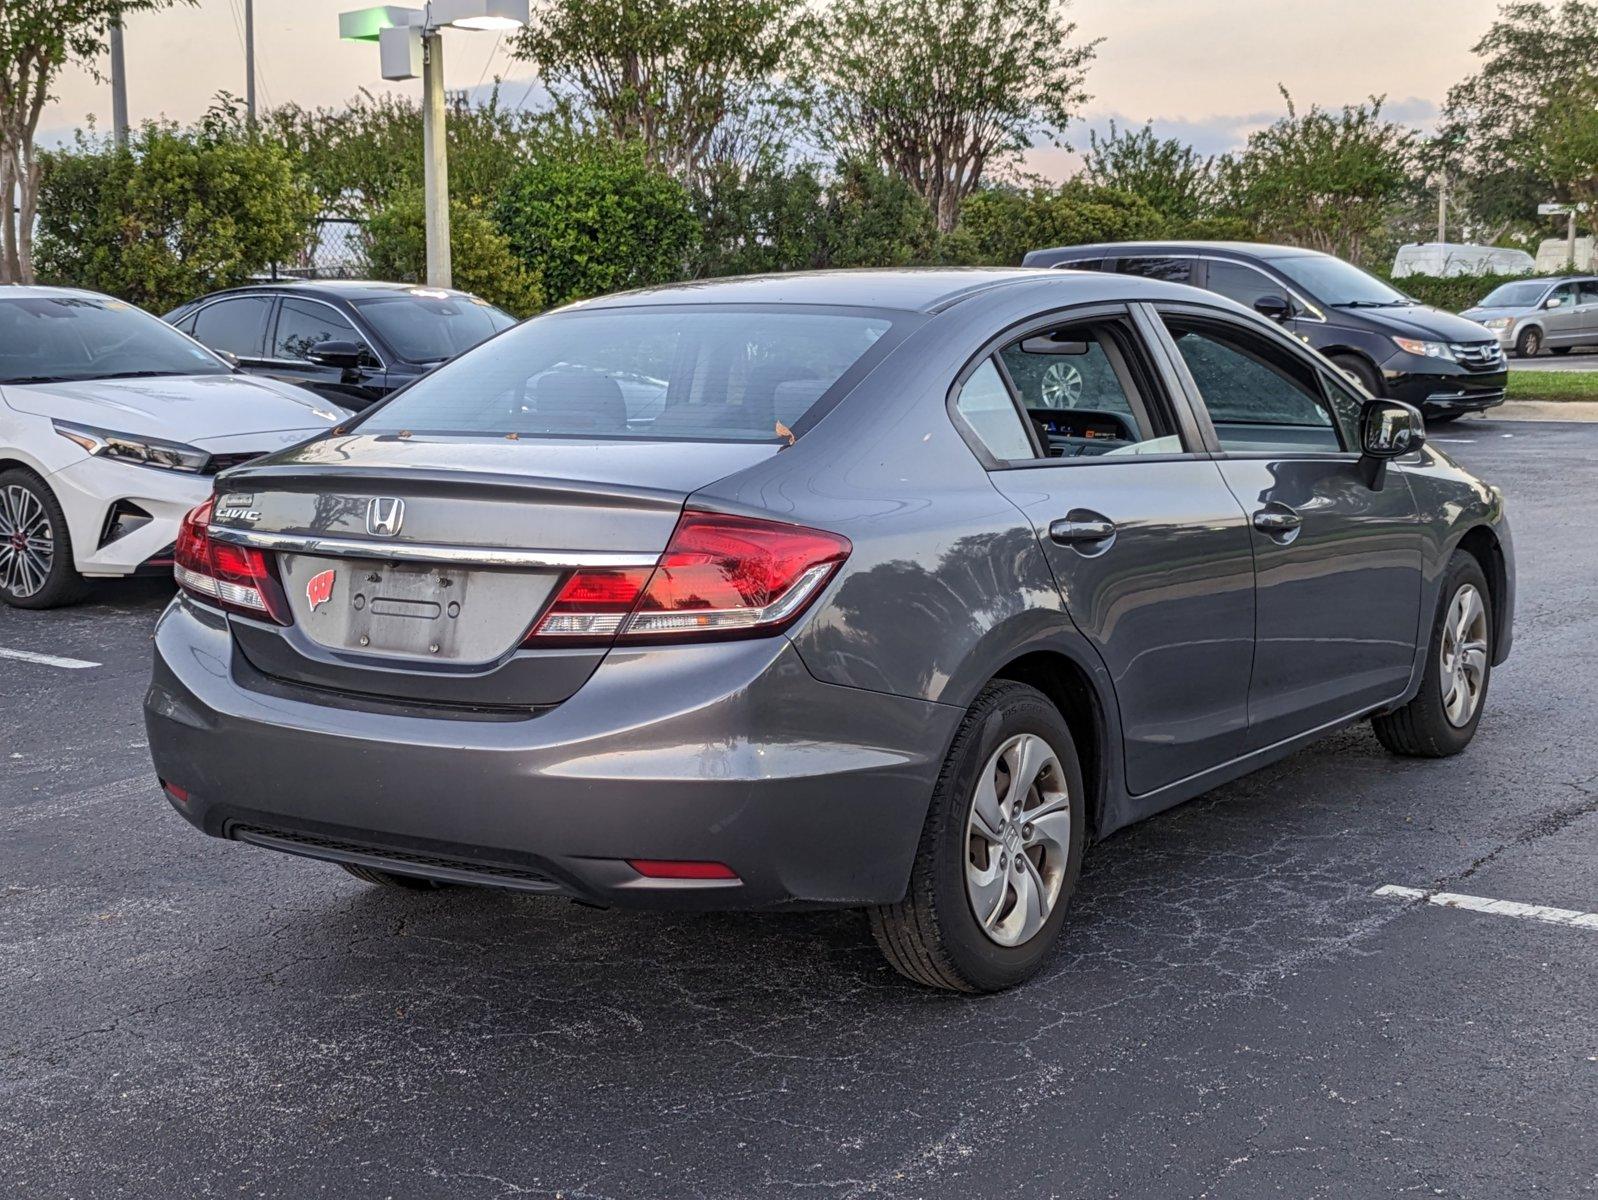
465 556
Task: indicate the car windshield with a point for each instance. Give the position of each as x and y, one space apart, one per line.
431 328
1514 295
52 339
673 372
1340 284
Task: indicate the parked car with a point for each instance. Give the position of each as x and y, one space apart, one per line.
1391 343
352 342
915 584
112 426
1530 314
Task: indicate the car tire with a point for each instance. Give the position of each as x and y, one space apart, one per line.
1559 350
1529 342
409 883
934 935
29 510
1442 418
1360 370
1432 724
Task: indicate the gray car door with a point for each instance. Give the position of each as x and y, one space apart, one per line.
1562 322
1148 546
1587 306
1337 563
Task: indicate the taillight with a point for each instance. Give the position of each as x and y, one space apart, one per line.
238 578
719 577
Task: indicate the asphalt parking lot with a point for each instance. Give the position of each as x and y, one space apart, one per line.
1234 1012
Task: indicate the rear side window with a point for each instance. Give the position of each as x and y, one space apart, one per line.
681 373
237 326
985 405
1259 397
1171 270
1589 291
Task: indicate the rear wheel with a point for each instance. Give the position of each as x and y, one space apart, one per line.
1559 350
410 883
1441 720
36 568
1000 852
1529 343
1361 370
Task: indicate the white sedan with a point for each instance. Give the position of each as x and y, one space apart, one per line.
112 425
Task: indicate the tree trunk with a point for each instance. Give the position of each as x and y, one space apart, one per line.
10 267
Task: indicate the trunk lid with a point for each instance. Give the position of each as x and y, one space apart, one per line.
414 567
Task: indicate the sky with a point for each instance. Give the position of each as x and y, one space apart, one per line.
1203 70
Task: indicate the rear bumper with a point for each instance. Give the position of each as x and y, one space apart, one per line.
814 794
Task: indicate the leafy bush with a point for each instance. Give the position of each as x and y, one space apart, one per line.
481 259
174 215
597 218
999 227
1453 293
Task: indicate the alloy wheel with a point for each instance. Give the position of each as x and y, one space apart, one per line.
1061 386
1462 662
1018 840
27 542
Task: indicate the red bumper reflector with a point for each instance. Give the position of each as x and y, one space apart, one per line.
181 795
666 868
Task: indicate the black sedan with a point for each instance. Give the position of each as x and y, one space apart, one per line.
353 342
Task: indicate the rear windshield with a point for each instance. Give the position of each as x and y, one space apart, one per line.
427 329
721 374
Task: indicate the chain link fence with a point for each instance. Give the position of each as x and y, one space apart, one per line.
336 250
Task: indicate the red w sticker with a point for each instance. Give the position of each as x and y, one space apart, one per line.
320 589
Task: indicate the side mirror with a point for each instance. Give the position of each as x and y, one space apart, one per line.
228 357
343 356
1554 302
1388 429
1276 308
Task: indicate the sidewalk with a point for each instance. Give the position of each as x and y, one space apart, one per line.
1542 410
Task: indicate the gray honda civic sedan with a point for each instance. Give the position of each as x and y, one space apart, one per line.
880 589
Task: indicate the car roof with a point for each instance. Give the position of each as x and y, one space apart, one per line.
339 289
1128 249
20 291
912 289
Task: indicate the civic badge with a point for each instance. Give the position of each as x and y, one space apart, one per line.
319 590
384 516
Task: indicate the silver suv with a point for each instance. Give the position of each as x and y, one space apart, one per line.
1531 314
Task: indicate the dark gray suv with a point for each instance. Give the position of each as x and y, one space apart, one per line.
884 589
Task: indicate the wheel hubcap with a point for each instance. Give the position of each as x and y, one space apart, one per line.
1462 662
27 543
1018 839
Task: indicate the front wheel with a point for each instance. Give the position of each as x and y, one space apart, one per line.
1529 343
36 568
1441 720
1363 373
1000 852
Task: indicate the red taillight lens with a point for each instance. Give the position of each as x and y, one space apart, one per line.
720 576
237 578
670 868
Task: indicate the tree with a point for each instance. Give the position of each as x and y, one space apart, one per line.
597 217
481 257
1566 150
1533 56
998 226
37 39
1167 173
1326 180
941 91
173 215
691 81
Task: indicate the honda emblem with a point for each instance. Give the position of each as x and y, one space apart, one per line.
384 516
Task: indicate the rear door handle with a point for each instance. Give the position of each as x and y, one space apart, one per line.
1081 527
1277 519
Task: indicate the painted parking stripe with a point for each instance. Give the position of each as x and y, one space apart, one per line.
1500 908
49 660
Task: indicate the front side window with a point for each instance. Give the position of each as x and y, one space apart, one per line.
1242 283
46 339
237 327
1565 293
1260 397
302 325
668 372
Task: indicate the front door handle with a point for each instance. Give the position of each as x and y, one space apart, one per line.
1081 527
1277 519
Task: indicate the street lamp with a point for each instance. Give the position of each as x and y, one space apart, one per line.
411 43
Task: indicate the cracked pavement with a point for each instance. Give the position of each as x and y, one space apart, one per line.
1231 1014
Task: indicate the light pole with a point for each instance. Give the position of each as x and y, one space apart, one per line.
411 43
119 88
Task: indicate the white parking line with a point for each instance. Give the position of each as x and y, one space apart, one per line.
1501 908
49 660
